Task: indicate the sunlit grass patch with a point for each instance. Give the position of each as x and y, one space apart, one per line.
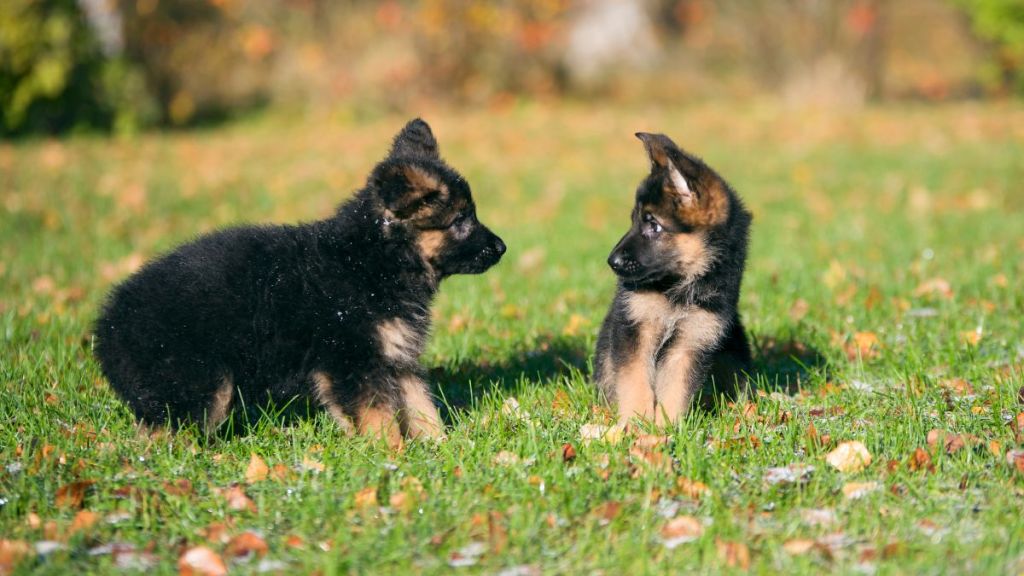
882 296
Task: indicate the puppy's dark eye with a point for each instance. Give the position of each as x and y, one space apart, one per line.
458 221
652 225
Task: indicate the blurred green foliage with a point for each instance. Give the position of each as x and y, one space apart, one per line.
183 62
54 76
1000 22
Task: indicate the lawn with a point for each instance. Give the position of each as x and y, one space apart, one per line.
883 293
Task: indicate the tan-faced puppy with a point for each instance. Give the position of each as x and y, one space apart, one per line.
336 311
674 319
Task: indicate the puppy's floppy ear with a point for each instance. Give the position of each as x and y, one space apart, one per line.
682 170
416 139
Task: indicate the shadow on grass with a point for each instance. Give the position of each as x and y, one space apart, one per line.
459 383
784 365
778 366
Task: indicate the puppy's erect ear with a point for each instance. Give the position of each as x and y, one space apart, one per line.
682 170
657 146
415 139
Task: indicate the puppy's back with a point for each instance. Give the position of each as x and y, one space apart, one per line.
179 320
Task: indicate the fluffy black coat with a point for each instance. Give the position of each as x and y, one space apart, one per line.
336 311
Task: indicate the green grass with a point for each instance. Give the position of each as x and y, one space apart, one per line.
854 214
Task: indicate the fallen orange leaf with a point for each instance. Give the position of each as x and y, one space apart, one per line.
366 497
83 520
681 530
71 495
12 552
257 469
734 554
238 500
201 561
246 544
850 456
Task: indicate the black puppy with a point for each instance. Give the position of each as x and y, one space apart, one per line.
674 319
337 310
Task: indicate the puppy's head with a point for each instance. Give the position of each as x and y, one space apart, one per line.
677 207
432 203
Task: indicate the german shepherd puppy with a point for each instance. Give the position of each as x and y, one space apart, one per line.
674 319
336 311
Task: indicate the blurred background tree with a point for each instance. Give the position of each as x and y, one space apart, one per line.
1001 24
125 64
54 75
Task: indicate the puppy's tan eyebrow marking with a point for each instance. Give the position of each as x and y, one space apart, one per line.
423 180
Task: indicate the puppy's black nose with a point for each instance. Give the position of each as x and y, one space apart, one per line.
616 261
499 246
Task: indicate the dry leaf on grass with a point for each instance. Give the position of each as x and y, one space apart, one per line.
506 458
512 410
652 460
257 469
856 490
497 535
939 287
957 386
126 556
681 530
798 546
365 498
83 521
295 541
71 495
650 441
245 546
1017 427
863 345
818 516
468 555
201 561
1015 458
949 441
692 489
311 465
734 554
970 337
850 456
792 474
799 309
921 460
568 452
281 473
237 499
606 512
609 434
180 487
12 552
217 531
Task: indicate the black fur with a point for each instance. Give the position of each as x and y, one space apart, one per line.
269 306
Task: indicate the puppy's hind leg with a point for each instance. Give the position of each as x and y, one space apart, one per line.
323 390
219 407
731 367
378 417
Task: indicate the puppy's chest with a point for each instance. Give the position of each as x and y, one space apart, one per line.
663 324
401 340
